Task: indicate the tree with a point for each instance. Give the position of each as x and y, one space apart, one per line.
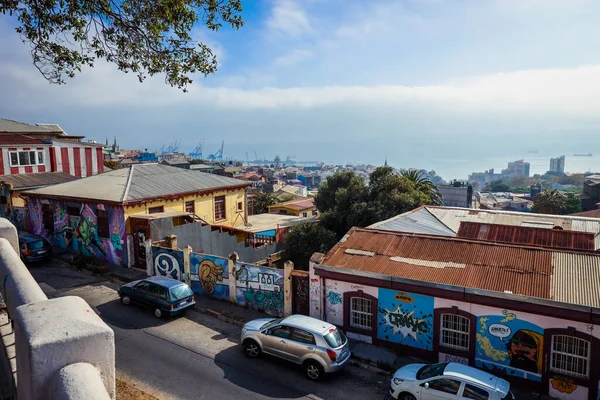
549 202
287 197
424 185
498 186
262 201
572 204
143 37
304 239
111 164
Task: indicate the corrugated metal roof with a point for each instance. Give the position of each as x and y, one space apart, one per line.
11 139
139 182
576 279
298 204
417 221
25 181
7 125
542 237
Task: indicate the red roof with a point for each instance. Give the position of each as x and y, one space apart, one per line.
554 238
459 262
14 139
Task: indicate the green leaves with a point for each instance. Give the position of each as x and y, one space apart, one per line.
145 37
306 238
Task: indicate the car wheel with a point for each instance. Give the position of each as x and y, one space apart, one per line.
406 396
126 300
252 349
158 313
313 370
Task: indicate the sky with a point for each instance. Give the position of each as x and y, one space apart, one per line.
451 85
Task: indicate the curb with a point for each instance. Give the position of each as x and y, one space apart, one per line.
368 365
220 316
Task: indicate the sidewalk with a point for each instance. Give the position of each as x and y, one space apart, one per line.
112 270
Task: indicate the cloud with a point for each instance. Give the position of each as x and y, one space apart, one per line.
288 19
293 57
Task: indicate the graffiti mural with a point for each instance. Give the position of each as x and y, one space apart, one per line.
168 262
507 345
405 318
260 288
210 275
334 298
77 230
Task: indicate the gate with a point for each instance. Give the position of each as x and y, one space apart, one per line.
300 301
141 232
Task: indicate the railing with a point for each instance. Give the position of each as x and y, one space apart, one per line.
63 349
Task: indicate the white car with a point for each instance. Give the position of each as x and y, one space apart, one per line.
447 381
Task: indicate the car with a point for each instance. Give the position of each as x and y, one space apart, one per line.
318 346
166 296
447 381
34 248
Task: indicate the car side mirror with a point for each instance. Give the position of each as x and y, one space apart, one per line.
426 385
267 332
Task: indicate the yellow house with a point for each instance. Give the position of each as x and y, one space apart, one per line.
92 215
298 207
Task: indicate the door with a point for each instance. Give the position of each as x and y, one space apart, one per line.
300 304
276 341
440 388
301 343
141 233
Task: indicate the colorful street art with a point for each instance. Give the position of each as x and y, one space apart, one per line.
507 345
405 318
210 275
260 288
79 232
168 262
334 298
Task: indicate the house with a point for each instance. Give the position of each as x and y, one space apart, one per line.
27 149
300 208
590 200
312 181
179 162
458 195
528 314
92 215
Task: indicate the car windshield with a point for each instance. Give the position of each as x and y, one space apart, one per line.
335 338
429 371
271 323
36 245
181 291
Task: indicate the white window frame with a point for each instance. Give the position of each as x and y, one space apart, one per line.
38 153
362 315
576 343
455 319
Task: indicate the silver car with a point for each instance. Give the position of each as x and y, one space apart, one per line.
316 345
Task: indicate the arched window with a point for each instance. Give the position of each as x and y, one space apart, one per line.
570 355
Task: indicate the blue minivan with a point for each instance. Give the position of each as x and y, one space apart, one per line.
164 295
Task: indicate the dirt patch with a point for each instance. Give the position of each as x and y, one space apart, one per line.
128 391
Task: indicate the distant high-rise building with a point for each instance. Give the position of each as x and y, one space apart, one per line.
557 164
519 167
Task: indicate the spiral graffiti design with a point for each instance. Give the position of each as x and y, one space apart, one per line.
209 273
167 265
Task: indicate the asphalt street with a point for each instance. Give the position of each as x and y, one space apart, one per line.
196 356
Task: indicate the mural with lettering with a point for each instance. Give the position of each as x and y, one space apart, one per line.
405 318
509 346
209 275
168 262
260 288
77 230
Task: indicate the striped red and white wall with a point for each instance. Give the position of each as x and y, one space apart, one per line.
76 159
7 169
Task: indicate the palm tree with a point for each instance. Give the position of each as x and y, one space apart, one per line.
262 201
549 202
424 185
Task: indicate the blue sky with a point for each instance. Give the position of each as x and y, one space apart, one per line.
451 85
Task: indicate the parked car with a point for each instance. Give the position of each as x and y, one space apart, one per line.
164 295
34 248
316 345
447 381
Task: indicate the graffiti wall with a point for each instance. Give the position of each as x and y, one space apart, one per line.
168 262
405 318
565 389
260 288
210 275
77 230
507 345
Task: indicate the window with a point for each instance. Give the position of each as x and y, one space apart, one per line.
302 336
25 158
156 210
152 289
570 356
142 286
240 206
189 207
219 208
335 338
282 332
48 218
162 292
454 331
103 226
283 212
361 313
475 393
305 215
445 385
74 211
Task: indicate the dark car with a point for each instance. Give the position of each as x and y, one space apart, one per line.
164 295
34 248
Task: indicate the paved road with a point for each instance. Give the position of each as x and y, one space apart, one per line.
196 356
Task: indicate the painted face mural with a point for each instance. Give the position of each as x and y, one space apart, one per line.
209 275
405 318
509 346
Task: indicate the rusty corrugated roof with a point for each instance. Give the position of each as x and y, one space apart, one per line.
552 238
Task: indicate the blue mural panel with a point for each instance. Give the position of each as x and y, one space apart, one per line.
212 275
509 346
168 262
260 288
405 318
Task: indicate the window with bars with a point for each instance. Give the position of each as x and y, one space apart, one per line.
454 331
156 210
190 207
570 355
219 208
361 313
